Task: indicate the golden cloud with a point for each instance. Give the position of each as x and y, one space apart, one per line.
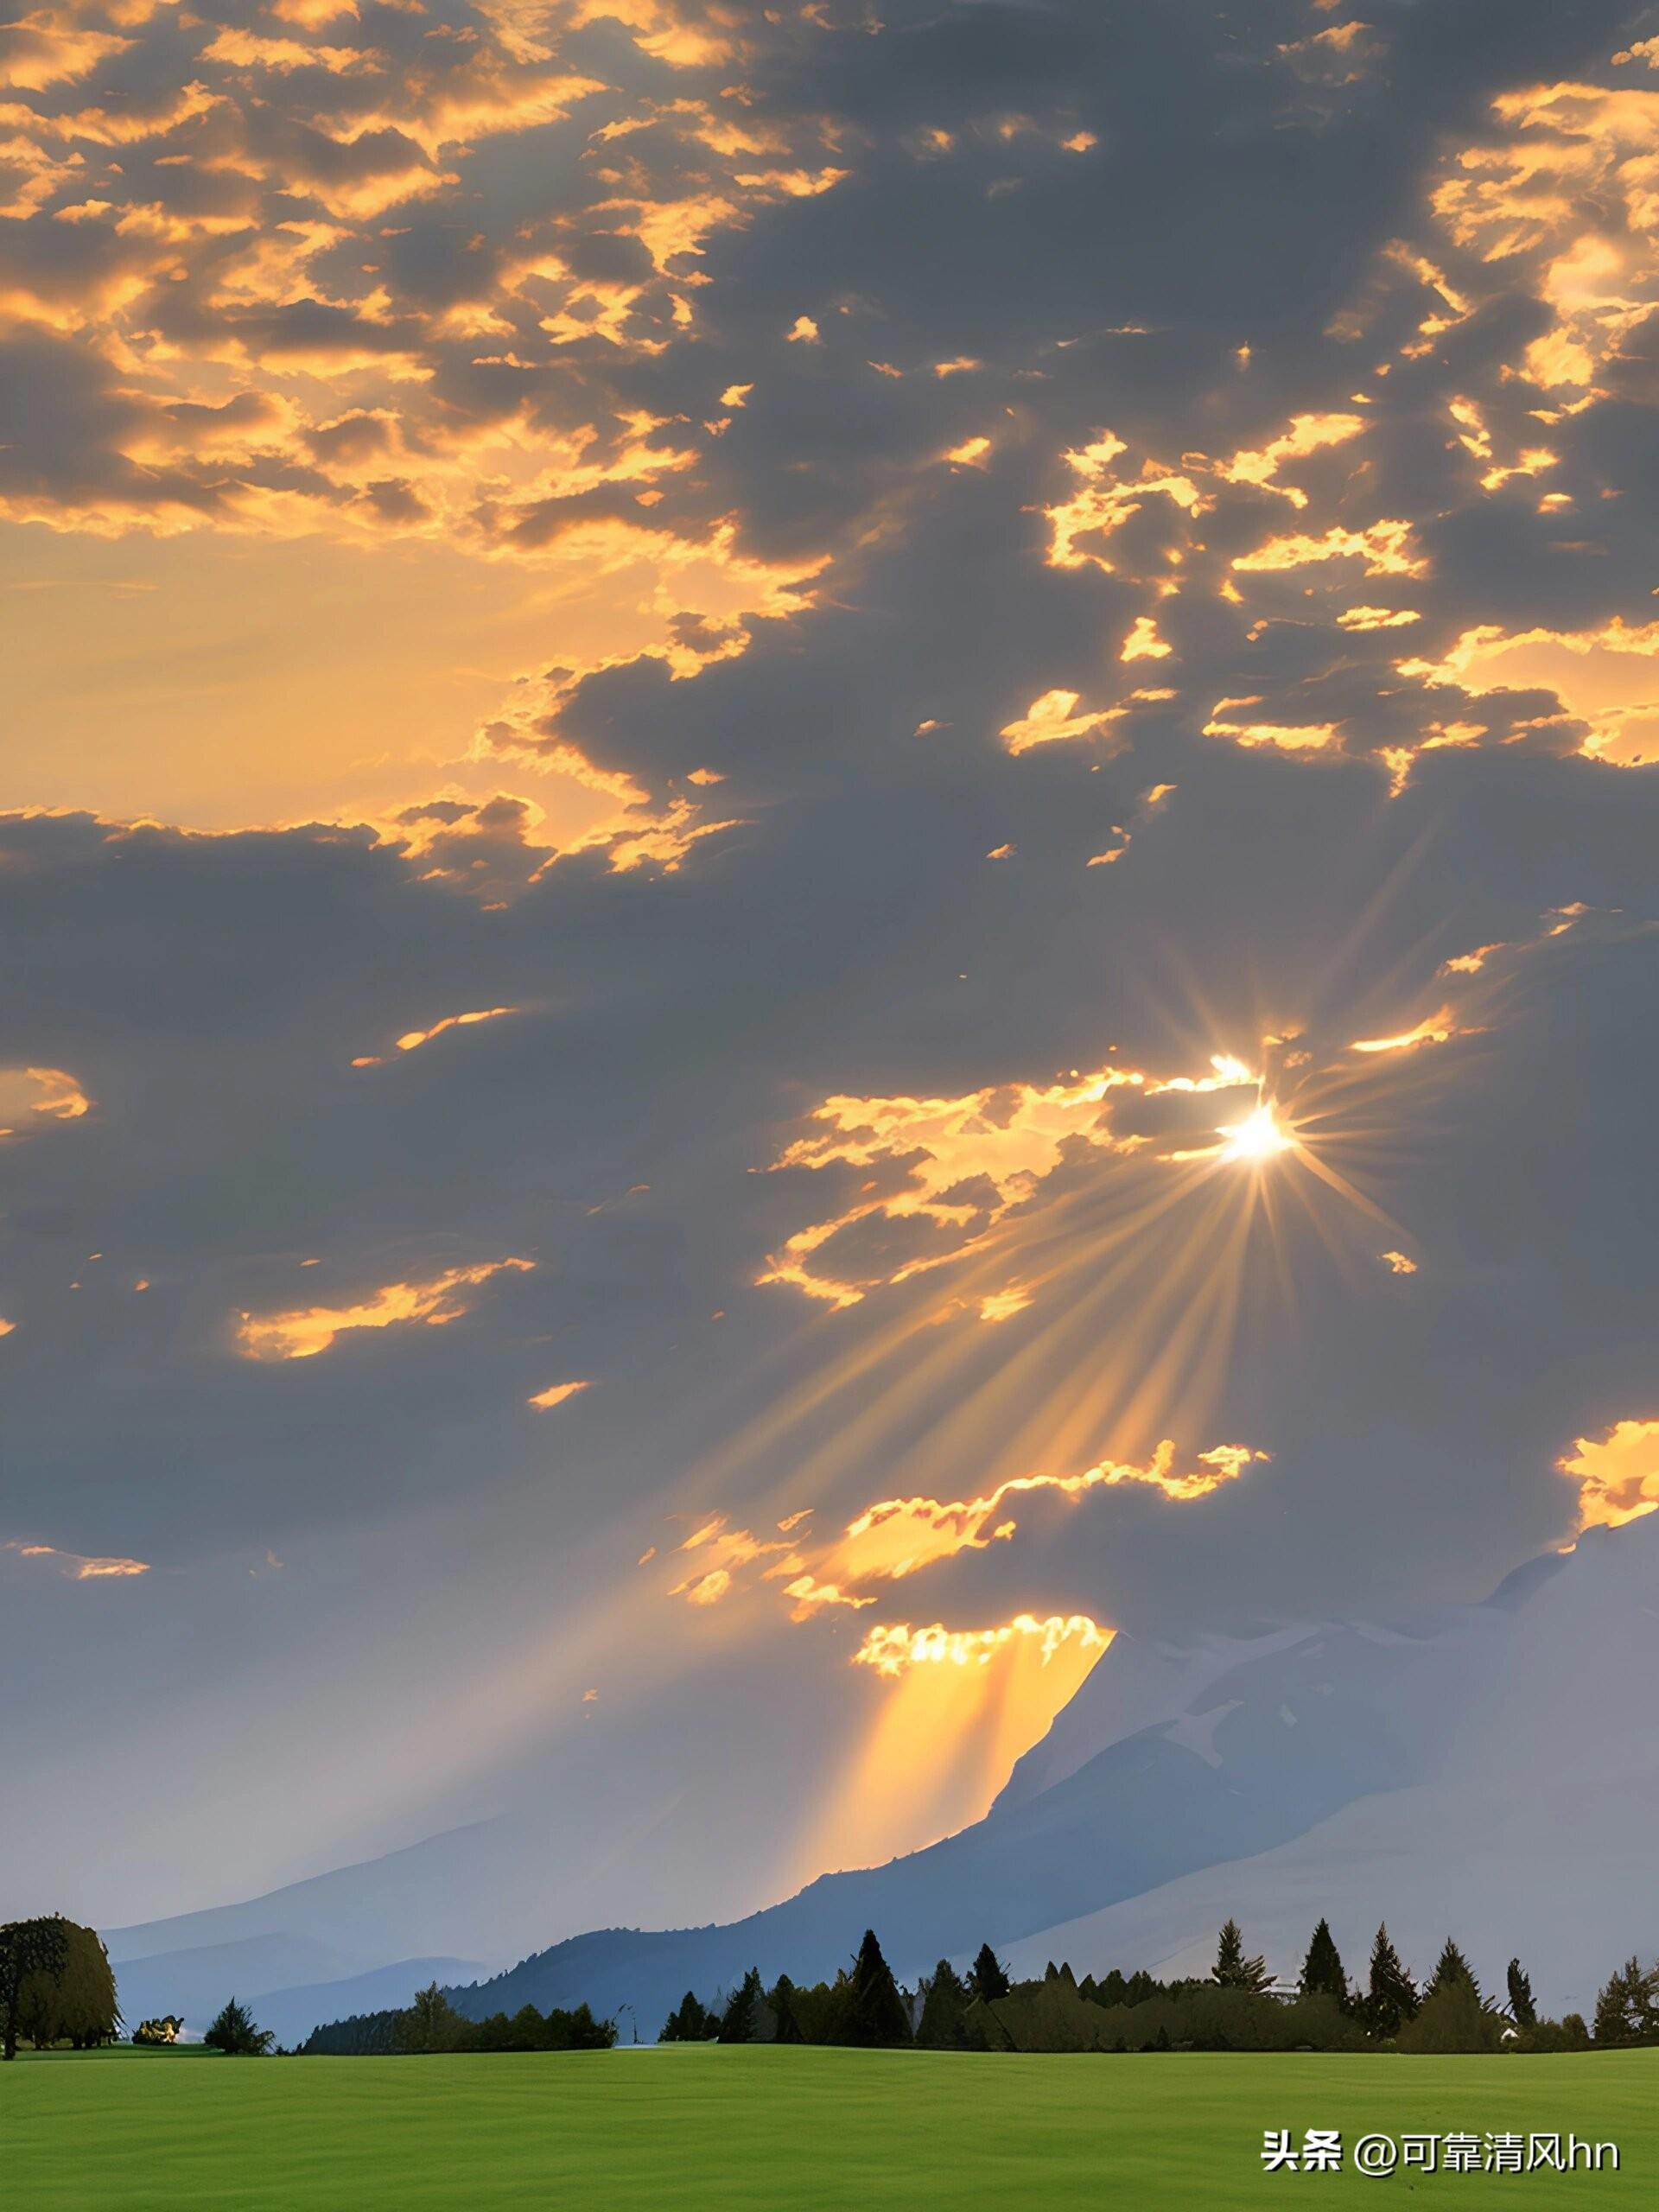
1617 1474
304 1332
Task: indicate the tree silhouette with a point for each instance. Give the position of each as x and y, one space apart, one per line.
987 1977
28 1947
1233 1970
1391 2000
879 2014
1322 1974
1450 1966
1522 2011
234 2033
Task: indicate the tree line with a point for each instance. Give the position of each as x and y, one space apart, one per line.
432 2024
1237 2007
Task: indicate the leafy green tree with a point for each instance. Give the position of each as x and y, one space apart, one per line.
1322 1974
77 2004
28 1948
1391 1997
1522 2011
1233 1970
879 2013
987 1977
1450 1966
234 2033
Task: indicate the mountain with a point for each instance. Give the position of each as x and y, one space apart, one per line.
1490 1769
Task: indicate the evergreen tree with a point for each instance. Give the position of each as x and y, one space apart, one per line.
1391 2000
782 2001
1522 2011
1233 1970
880 2015
1322 1974
1450 1966
945 2000
1453 2019
1627 2005
987 1977
234 2033
689 2023
739 2024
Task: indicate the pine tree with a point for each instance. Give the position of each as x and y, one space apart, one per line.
782 2001
988 1977
1522 2011
879 2013
739 2023
1627 2005
234 2033
1450 1966
945 2000
432 2024
1391 1999
689 2024
1322 1974
1233 1970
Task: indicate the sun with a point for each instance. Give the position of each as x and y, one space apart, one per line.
1259 1136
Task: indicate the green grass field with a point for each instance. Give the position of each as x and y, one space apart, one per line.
767 2129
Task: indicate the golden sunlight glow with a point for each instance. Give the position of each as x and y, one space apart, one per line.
1437 1028
1259 1136
900 1535
77 1567
413 1038
1617 1474
1055 716
556 1394
891 1650
1398 1263
31 1095
306 1330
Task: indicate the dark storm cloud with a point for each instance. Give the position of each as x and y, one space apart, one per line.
679 1012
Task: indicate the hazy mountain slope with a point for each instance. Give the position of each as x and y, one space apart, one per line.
1534 1836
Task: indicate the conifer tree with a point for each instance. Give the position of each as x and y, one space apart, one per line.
988 1977
879 2013
782 2001
234 2033
739 2021
945 2000
1522 2011
1450 1966
1627 2005
1233 1970
1322 1974
1391 1999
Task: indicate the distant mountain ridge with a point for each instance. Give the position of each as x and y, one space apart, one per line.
1367 1770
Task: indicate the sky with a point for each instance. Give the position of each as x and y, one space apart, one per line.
827 856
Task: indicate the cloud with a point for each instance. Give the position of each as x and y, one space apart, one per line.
1618 1473
304 1332
76 1566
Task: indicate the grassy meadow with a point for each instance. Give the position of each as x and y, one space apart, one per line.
741 2126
